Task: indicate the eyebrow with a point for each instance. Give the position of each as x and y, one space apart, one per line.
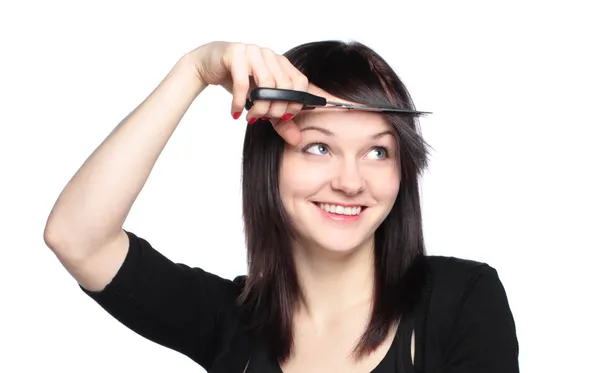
329 133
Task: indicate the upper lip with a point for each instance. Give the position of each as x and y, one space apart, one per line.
340 204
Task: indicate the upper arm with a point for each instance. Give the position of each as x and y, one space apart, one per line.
174 305
483 337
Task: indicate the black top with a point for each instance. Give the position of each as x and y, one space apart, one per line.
464 324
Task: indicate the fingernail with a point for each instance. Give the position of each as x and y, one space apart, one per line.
265 118
252 120
237 114
287 116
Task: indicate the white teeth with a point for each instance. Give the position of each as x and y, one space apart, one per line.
341 210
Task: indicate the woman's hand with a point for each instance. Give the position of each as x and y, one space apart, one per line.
232 65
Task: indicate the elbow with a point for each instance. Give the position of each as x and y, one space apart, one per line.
52 236
58 235
62 245
72 242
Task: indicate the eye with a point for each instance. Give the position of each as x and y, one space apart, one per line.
378 153
317 149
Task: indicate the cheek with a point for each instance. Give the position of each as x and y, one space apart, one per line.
384 184
299 179
388 192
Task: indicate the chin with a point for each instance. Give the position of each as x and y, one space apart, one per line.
337 248
338 242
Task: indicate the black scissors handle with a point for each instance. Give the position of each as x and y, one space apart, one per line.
278 94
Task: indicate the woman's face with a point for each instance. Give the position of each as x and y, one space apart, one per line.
341 182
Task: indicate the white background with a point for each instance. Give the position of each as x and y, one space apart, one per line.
513 179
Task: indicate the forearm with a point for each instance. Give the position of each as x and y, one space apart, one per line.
93 206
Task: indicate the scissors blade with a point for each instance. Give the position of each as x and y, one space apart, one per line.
376 108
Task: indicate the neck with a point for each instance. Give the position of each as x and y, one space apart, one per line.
332 282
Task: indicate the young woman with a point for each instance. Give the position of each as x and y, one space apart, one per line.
338 276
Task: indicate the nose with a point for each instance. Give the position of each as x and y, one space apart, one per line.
348 179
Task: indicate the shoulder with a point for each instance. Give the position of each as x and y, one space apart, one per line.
452 277
467 313
455 267
452 281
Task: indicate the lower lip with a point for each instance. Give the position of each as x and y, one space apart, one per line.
340 217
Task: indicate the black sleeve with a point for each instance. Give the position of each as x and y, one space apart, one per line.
176 306
483 337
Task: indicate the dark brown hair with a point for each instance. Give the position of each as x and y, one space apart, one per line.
354 72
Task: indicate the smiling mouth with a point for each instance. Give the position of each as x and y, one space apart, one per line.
340 212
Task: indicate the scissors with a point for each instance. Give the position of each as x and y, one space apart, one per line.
311 102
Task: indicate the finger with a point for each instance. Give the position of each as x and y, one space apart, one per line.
240 80
262 77
289 131
299 81
278 109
